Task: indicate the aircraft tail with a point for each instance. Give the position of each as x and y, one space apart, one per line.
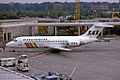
95 30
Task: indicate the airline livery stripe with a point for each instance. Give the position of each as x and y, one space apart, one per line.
36 45
29 45
26 45
33 45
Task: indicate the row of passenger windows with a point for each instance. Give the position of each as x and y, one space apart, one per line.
38 40
33 39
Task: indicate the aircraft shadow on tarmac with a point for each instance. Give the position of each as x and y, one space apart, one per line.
58 52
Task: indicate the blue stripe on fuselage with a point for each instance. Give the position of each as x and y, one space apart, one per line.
36 45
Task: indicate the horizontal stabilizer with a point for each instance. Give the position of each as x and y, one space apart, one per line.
102 25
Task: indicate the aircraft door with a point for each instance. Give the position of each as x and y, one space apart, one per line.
20 42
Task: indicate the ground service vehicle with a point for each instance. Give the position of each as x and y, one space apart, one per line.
53 77
23 67
8 62
22 59
45 77
61 76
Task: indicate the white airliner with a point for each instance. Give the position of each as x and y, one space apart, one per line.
59 42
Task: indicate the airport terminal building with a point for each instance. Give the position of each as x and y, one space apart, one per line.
8 33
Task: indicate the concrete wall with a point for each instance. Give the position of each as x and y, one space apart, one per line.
51 30
23 31
18 31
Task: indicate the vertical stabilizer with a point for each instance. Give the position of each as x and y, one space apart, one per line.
95 30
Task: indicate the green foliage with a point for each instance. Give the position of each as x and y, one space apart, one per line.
42 14
8 15
45 7
104 15
52 10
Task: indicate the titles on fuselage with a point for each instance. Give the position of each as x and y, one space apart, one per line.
44 40
33 39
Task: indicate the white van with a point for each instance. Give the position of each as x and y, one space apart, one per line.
8 62
22 59
23 67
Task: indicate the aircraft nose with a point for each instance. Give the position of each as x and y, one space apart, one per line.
9 44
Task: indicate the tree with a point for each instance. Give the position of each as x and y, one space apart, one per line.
42 14
8 15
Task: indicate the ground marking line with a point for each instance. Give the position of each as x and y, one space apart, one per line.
74 70
37 55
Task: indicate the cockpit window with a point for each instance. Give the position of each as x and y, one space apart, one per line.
15 40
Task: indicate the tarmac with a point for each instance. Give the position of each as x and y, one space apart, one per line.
7 74
95 61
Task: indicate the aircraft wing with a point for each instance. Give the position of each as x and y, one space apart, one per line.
60 48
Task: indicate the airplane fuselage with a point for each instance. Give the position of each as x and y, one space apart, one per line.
46 41
59 42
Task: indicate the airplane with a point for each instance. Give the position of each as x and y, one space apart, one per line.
60 43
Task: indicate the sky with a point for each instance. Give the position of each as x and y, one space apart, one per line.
41 1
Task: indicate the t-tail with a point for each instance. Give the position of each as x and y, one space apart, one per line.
95 30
